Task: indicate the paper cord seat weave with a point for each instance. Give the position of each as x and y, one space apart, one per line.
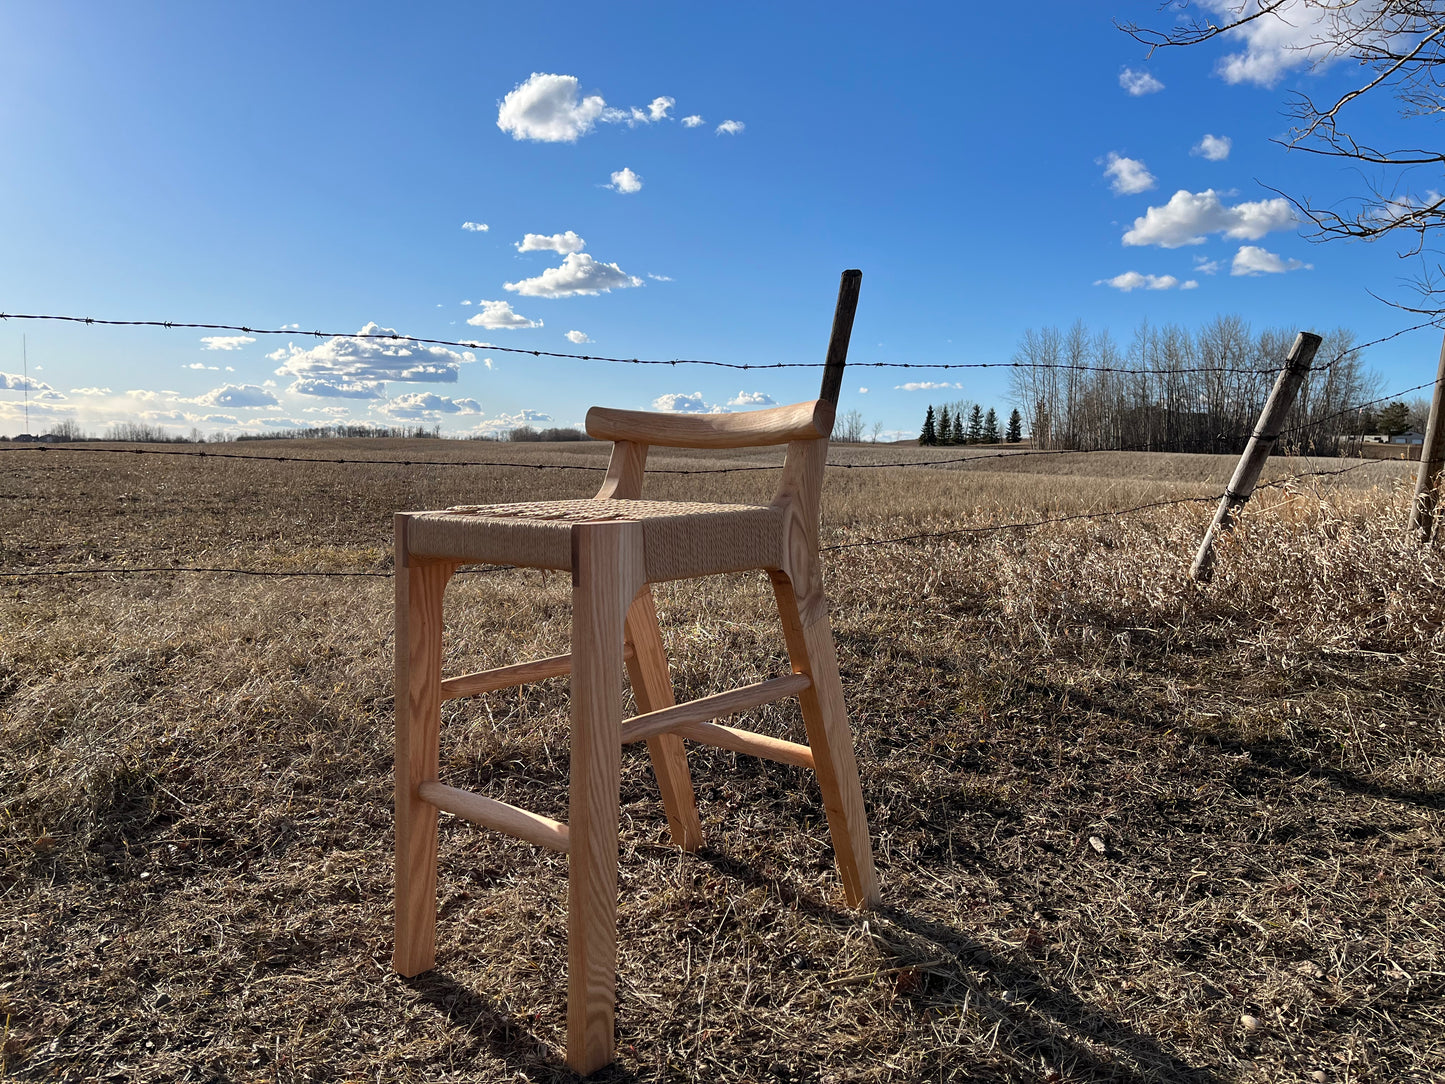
615 545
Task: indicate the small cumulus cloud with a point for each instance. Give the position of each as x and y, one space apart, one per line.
577 337
227 342
505 422
925 385
560 243
355 366
1133 280
752 398
684 403
1213 148
862 391
499 314
425 404
1138 83
692 121
659 278
1205 266
579 274
202 365
549 109
85 391
731 127
658 108
19 382
1253 260
237 395
476 227
1189 216
625 181
1127 176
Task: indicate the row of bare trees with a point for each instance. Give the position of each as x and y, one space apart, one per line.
1172 389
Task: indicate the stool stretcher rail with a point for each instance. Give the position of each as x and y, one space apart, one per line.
490 813
704 709
504 677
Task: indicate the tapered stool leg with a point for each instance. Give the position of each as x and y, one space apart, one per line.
419 590
810 646
606 573
652 686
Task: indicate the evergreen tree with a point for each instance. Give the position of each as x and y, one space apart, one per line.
957 436
990 427
1015 428
975 425
1394 419
945 426
930 434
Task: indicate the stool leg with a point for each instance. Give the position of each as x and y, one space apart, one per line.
652 686
810 646
419 589
606 574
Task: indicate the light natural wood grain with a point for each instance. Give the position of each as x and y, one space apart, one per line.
624 471
706 708
746 741
812 420
1427 479
810 646
504 677
499 816
652 688
419 589
607 572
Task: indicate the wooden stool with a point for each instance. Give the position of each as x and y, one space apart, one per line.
615 545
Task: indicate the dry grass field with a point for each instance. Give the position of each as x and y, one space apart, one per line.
1127 829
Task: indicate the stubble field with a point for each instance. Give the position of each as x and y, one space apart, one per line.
1127 829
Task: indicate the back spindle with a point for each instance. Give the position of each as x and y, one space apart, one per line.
838 341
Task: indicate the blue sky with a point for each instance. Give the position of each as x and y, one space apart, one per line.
315 164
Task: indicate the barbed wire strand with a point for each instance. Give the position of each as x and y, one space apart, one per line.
475 344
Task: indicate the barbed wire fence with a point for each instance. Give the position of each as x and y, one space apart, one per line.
974 530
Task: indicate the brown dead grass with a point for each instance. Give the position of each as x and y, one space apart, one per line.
195 781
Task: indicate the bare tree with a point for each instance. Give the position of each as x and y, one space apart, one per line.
1398 49
848 429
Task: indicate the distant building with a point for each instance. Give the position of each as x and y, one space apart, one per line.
1410 436
1375 438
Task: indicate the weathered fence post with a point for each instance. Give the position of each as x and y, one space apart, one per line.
1261 443
1422 508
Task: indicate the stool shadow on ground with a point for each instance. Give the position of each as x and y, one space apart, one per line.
956 969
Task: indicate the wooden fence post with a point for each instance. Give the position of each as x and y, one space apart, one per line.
1261 443
1422 508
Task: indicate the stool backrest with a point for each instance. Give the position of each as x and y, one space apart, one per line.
803 427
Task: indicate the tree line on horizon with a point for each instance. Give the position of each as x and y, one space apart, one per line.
946 425
1189 391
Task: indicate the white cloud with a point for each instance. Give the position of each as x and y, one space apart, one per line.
730 127
1253 260
202 365
924 385
1205 266
684 403
499 314
752 398
560 243
1296 36
578 337
1189 216
1133 280
692 121
548 109
503 422
237 395
625 181
425 404
18 382
86 391
862 391
579 274
659 278
657 110
1214 148
1139 83
476 227
1129 175
354 366
226 342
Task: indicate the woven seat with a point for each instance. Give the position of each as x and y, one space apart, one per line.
615 545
